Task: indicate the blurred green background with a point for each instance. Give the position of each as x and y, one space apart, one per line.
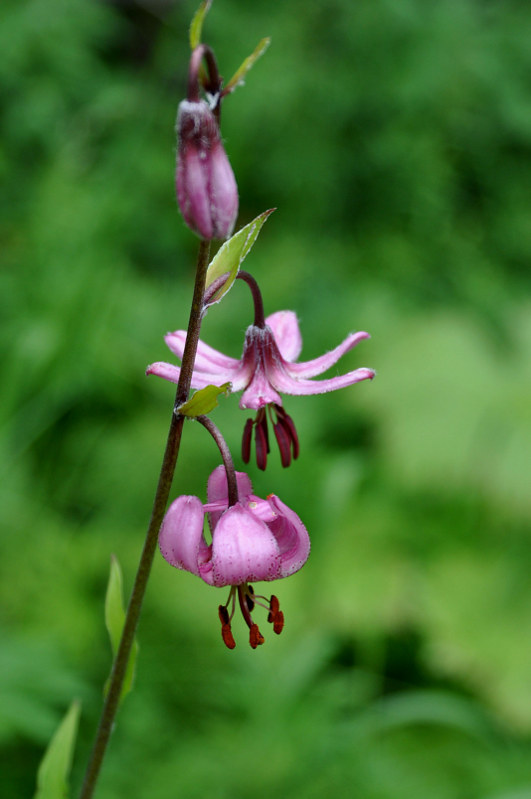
394 136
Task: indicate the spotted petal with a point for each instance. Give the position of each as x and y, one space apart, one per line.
291 535
243 549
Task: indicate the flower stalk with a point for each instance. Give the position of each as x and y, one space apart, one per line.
169 462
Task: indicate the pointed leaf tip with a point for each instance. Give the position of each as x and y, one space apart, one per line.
52 776
238 79
196 26
230 256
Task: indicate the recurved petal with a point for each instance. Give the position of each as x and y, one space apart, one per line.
293 385
170 372
181 538
291 536
285 329
207 358
243 549
319 365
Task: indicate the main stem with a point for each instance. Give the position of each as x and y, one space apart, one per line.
167 470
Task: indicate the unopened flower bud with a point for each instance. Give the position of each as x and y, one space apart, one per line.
206 189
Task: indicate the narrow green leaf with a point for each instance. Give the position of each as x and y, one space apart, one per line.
230 255
114 621
52 776
196 25
238 79
204 400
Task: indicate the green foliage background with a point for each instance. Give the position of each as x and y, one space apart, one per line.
394 136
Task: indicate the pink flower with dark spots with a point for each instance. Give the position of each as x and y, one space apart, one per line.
267 369
253 539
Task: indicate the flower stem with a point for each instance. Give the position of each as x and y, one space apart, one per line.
167 470
259 318
232 485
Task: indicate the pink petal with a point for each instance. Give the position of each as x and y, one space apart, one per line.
224 193
292 385
243 549
259 392
165 370
170 372
192 192
319 365
285 328
291 535
207 358
181 538
217 490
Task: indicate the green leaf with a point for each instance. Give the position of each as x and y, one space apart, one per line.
196 26
230 256
204 400
52 776
238 79
114 621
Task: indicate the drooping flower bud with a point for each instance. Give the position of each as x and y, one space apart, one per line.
206 188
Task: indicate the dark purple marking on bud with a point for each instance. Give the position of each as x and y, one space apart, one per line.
206 188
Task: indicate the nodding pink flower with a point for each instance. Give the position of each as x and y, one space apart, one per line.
254 539
268 368
206 188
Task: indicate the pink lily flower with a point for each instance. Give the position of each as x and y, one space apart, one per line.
254 539
268 368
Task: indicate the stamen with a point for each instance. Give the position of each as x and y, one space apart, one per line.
223 614
260 441
283 440
246 440
228 638
278 622
255 636
249 601
290 424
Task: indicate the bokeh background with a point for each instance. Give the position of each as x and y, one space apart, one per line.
394 136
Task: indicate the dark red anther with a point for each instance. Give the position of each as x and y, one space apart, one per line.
246 440
255 636
278 622
223 614
260 441
274 605
283 440
289 423
228 638
261 419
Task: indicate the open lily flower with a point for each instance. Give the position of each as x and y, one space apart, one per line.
268 368
254 539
